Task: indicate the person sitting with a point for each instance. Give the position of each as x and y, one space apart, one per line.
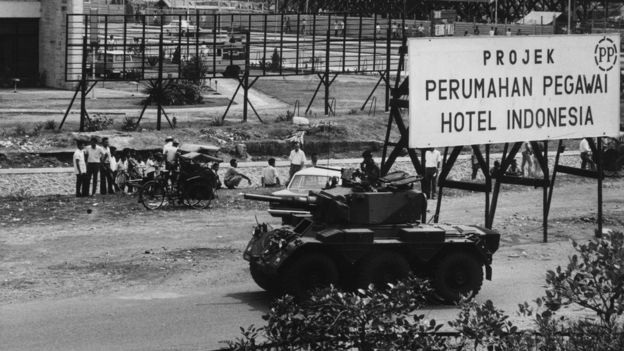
150 167
513 170
269 175
494 171
232 177
215 170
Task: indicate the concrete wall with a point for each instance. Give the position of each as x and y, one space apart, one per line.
61 181
20 9
52 37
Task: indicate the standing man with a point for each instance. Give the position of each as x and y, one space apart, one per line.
269 175
432 164
106 174
297 159
475 165
170 152
80 168
586 155
94 155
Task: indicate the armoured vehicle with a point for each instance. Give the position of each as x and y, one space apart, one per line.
355 237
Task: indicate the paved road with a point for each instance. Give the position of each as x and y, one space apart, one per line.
192 320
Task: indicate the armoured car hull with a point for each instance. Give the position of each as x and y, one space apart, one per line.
296 259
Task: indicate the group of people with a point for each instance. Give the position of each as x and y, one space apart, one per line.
269 178
100 161
91 161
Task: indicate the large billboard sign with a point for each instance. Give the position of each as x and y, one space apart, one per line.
483 90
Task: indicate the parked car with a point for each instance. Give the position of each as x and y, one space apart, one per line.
314 178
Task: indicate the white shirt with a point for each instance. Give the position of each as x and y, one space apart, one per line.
106 155
94 154
297 157
80 157
122 165
170 152
584 146
270 175
432 158
113 163
150 166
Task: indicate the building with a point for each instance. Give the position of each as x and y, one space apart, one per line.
32 41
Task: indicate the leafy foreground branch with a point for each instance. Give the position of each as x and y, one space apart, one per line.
375 319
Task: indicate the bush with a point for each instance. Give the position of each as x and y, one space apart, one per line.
99 122
194 71
20 194
593 279
129 124
288 117
19 130
327 129
37 129
173 93
365 319
50 124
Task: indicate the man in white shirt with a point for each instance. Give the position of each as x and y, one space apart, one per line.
269 175
170 152
297 159
94 155
432 163
80 169
586 155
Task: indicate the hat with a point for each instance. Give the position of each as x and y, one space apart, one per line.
169 138
367 153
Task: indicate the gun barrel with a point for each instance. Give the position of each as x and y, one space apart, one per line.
297 201
266 198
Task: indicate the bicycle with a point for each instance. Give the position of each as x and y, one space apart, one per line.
194 186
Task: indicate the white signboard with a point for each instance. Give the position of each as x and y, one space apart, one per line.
483 90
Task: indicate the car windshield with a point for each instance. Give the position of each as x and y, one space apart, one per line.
308 182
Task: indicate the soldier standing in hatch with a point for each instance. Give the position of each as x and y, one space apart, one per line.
369 168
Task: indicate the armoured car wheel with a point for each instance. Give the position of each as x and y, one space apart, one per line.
457 274
309 272
267 282
382 268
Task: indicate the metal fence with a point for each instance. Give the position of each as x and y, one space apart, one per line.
132 47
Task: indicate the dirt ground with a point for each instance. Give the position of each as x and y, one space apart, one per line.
58 247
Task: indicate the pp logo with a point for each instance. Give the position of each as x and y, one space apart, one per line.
606 54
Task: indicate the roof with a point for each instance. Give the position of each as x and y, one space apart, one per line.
539 17
319 172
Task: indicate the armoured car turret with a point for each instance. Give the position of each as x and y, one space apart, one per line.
358 235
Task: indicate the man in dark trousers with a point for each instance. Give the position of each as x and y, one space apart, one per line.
94 157
106 174
297 160
432 164
80 169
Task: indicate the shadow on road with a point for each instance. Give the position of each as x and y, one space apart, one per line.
258 300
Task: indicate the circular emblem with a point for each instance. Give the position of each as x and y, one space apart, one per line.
606 54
